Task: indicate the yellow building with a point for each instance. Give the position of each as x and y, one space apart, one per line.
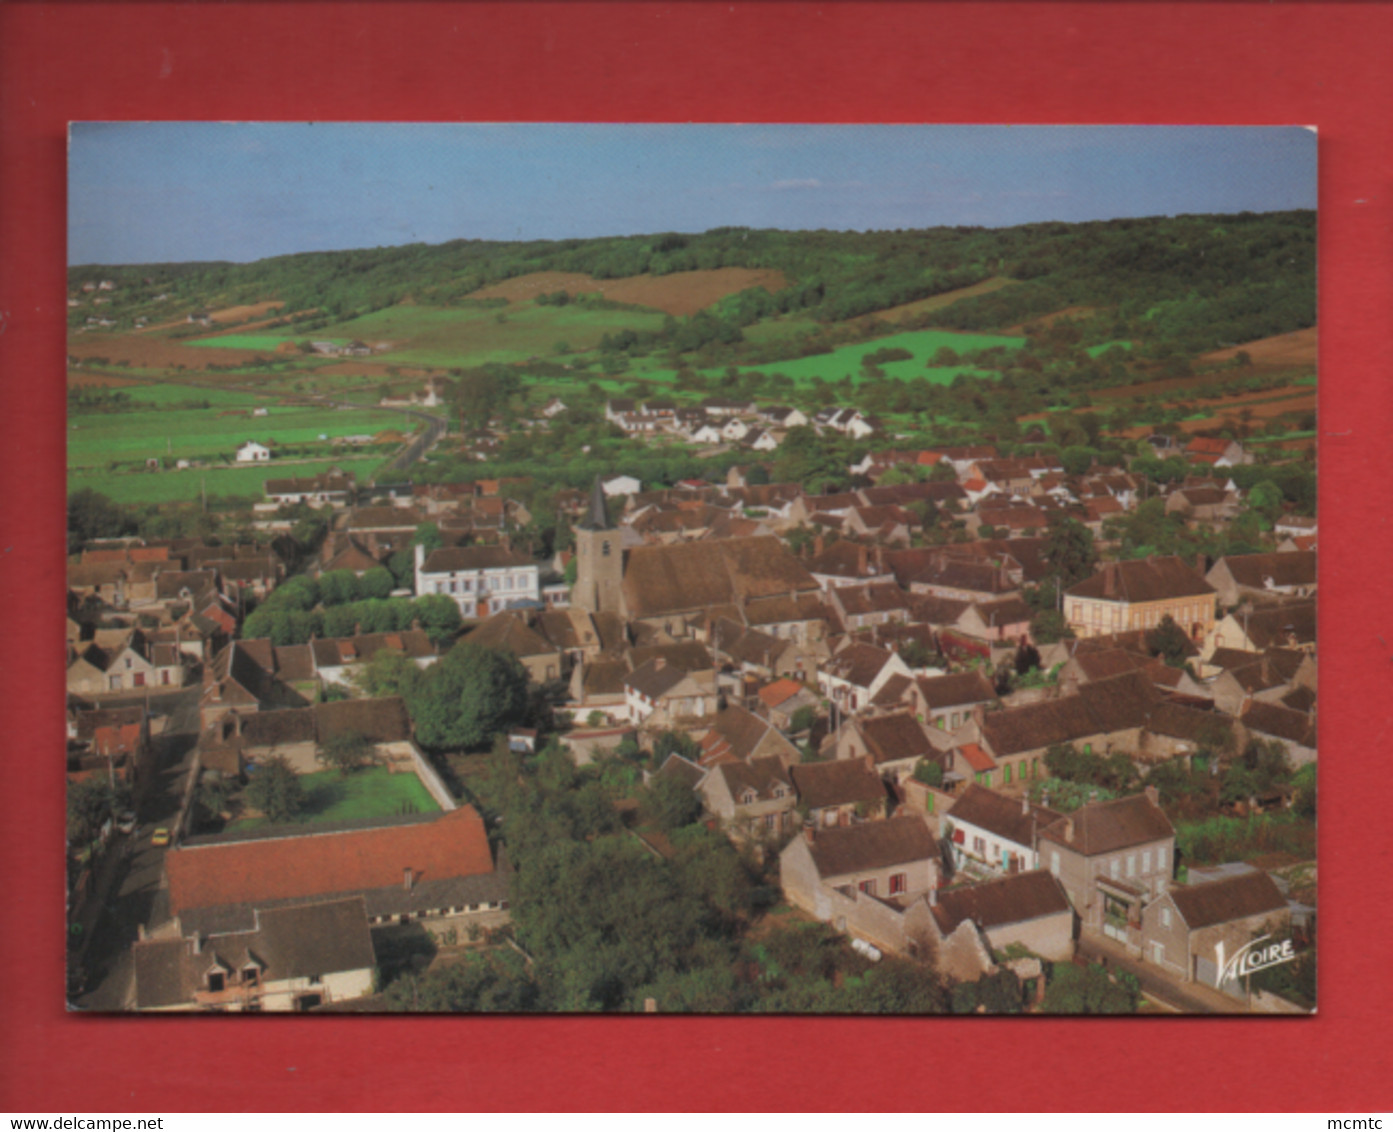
1126 596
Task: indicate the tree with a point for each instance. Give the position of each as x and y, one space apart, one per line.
1090 990
91 515
389 673
439 617
377 583
276 791
346 752
803 719
669 803
928 772
467 697
1168 641
1068 549
91 803
428 536
339 587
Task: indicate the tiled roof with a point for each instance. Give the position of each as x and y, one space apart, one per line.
660 580
1006 817
894 737
840 782
1034 726
780 690
463 559
858 664
1007 900
1223 901
1143 580
1279 625
453 844
1293 568
1280 722
977 758
764 776
955 690
872 845
1105 827
1119 703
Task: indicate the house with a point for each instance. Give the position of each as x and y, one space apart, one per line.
1296 729
518 632
894 743
847 563
251 452
996 831
1139 594
962 578
753 800
1113 858
853 676
436 868
339 660
1029 910
1236 577
865 879
621 485
738 734
783 699
1216 451
480 579
947 702
839 792
878 603
334 488
665 691
1194 931
1281 625
291 958
1205 504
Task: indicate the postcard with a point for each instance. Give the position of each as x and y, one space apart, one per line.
687 568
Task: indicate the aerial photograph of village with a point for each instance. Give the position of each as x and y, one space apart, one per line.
729 569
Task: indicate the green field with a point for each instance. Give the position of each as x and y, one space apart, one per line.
470 336
923 344
168 394
186 485
371 793
96 439
253 341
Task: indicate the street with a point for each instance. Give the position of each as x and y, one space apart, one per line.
127 892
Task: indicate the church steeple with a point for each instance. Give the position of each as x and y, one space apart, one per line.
597 514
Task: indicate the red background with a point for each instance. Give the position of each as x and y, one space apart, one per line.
1318 64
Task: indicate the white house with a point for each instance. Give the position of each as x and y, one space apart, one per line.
481 579
252 452
621 485
734 429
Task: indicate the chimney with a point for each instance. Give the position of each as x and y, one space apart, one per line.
810 834
197 940
1025 803
1110 580
933 898
659 663
1201 565
861 561
1152 795
1093 795
1068 829
818 545
408 880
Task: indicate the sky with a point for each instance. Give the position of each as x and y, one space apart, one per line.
161 192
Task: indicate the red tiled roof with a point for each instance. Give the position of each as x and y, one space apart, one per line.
977 758
780 690
281 868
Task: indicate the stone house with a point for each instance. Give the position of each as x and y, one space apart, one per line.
1113 858
1029 910
1193 930
894 743
839 792
754 800
1237 577
291 958
1139 594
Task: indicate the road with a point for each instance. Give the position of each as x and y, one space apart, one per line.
1186 998
129 891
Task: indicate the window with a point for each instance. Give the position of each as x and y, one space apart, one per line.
979 846
1161 857
899 882
1054 863
1131 864
1006 775
216 981
1146 861
1165 917
867 886
1115 868
604 549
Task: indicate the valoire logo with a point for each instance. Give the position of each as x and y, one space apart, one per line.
1252 957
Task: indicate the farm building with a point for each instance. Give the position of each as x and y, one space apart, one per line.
251 452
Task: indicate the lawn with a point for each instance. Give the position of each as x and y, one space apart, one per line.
255 341
186 486
371 793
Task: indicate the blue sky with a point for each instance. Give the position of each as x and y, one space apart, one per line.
177 191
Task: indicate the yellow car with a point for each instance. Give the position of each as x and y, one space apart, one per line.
160 836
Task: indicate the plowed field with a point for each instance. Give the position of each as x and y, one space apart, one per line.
1284 351
145 352
682 293
1051 319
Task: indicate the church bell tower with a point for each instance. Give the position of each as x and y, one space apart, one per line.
599 559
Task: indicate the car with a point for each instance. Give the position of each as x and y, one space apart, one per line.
160 836
125 822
